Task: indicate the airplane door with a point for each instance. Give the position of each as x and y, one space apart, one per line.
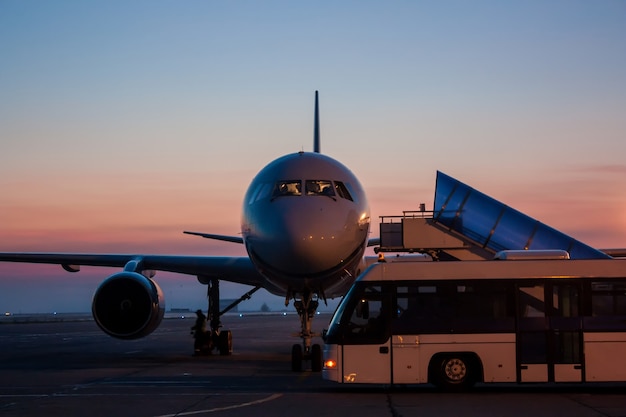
366 339
549 337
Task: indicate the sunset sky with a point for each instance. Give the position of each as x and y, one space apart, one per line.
124 123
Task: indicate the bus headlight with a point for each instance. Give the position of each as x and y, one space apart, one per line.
330 364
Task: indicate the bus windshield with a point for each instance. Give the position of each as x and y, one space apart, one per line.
332 335
364 319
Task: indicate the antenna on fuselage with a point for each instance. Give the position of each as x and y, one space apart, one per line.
316 127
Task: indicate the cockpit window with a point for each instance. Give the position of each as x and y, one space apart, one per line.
319 187
285 188
311 187
342 190
261 192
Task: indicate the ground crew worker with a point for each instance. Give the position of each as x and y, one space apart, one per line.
198 331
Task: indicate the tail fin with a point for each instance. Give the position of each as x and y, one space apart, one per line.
316 127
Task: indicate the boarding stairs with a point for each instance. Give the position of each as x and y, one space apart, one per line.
466 224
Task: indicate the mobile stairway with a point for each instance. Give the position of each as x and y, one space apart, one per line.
466 224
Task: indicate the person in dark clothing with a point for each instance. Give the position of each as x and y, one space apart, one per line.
198 331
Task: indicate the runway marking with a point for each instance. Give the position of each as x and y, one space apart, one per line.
230 407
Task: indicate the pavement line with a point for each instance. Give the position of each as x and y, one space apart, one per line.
230 407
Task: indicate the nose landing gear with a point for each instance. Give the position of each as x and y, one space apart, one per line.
306 306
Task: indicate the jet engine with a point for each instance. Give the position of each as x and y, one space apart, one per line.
127 305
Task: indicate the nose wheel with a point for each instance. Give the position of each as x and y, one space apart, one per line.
298 358
306 307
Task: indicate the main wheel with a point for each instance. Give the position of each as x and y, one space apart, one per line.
316 358
296 358
225 342
455 373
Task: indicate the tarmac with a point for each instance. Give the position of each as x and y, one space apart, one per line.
70 368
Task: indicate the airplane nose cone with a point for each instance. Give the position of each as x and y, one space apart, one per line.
309 240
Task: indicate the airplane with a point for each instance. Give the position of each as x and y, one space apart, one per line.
305 226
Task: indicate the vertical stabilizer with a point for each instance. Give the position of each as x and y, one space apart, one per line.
316 127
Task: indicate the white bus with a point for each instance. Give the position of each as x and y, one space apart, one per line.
454 324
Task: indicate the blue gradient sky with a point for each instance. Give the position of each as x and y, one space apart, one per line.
124 123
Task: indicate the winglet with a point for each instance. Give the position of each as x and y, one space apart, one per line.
316 127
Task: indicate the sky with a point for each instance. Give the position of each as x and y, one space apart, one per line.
124 123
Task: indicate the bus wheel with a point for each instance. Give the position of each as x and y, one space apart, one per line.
455 373
296 358
316 358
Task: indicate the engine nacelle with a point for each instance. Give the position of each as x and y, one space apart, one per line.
128 305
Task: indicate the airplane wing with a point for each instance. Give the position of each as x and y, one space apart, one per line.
234 269
225 238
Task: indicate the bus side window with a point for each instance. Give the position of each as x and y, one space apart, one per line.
608 306
470 307
608 298
531 301
414 305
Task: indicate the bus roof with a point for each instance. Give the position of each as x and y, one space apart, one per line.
495 269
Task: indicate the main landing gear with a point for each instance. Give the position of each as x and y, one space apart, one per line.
306 306
222 340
